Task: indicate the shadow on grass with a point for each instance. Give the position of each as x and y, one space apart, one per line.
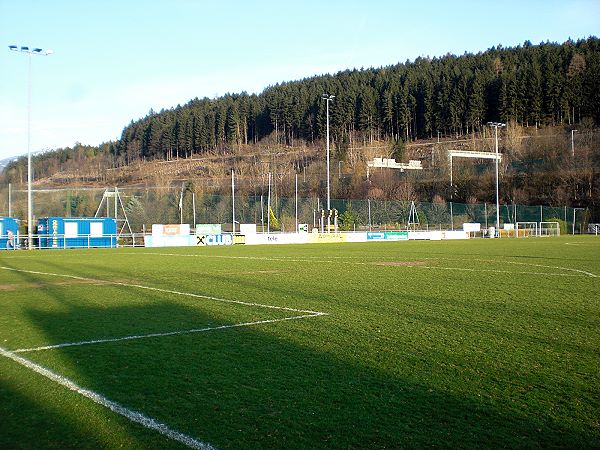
255 388
29 419
248 388
37 414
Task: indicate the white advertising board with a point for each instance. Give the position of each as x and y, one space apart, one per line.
247 228
456 234
472 227
169 241
208 228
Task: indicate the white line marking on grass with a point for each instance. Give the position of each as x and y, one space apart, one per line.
363 263
304 313
252 258
589 274
168 333
520 263
509 272
167 291
115 407
258 258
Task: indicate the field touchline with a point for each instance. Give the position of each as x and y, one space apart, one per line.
115 407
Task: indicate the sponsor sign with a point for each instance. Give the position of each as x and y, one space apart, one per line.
54 233
176 229
214 239
396 235
326 237
387 236
171 230
208 228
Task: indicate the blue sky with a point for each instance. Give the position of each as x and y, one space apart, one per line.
114 60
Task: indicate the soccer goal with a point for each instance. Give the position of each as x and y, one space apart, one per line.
549 229
526 229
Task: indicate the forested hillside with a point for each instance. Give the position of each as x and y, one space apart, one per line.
546 84
542 91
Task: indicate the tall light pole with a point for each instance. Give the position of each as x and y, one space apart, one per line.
29 51
573 143
574 213
496 125
327 99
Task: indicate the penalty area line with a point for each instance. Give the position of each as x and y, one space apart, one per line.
168 333
167 291
133 416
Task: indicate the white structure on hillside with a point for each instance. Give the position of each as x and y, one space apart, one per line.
390 163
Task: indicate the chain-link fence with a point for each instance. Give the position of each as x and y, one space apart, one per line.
145 207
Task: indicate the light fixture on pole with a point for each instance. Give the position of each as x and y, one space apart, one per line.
29 51
573 143
327 99
496 125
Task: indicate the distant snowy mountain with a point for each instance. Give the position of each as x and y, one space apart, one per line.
6 161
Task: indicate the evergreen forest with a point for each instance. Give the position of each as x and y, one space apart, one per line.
551 89
532 85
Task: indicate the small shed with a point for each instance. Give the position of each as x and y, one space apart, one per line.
77 232
9 233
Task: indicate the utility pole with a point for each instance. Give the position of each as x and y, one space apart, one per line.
496 125
327 99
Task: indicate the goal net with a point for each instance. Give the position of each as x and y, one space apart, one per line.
549 229
526 229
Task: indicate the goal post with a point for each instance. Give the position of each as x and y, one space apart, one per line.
549 229
526 229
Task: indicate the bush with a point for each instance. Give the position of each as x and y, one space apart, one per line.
347 220
561 223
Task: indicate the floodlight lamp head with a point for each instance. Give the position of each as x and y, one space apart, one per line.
24 48
13 47
37 50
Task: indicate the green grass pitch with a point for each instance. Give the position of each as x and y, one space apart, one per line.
479 343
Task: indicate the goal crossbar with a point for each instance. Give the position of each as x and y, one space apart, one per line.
526 229
549 229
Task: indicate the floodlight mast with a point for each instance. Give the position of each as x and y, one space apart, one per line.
496 125
328 98
29 52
